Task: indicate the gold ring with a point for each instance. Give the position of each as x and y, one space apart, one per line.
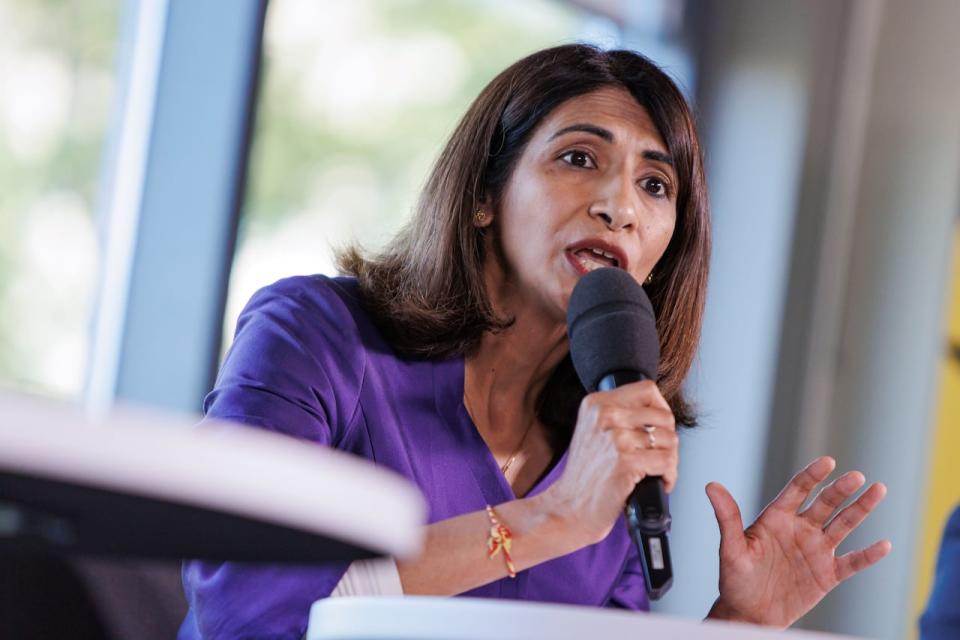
651 438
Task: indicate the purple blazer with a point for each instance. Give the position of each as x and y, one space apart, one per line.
307 361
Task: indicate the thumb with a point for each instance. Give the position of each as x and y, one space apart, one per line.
728 516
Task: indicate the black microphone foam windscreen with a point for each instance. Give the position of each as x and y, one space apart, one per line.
612 327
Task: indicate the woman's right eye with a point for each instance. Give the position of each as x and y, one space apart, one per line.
579 159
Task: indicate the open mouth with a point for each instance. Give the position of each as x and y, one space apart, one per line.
589 258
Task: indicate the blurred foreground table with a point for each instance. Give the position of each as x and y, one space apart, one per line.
84 498
152 485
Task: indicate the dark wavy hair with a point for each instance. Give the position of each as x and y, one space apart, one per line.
426 290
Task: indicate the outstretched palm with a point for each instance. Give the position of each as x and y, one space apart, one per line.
780 567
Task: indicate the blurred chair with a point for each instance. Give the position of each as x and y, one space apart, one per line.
134 598
45 595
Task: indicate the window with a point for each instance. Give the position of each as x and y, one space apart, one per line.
357 99
56 91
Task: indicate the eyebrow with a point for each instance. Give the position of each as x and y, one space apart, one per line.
593 129
658 156
606 134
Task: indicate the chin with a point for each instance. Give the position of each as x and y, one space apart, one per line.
561 301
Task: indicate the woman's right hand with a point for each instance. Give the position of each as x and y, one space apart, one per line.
611 452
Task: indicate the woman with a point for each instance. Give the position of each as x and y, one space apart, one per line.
445 358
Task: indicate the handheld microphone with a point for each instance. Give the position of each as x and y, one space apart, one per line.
613 342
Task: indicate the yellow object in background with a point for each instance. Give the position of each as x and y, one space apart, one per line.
943 482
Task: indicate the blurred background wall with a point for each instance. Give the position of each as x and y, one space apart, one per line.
160 160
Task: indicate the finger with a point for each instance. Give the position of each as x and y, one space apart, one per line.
856 561
799 488
652 463
660 438
636 418
627 440
832 497
728 517
851 517
644 393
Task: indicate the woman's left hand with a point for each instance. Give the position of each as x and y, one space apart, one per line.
776 570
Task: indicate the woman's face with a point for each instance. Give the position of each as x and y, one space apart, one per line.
594 187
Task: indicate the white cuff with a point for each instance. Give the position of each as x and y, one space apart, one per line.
377 577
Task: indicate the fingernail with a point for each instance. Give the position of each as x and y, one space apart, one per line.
854 478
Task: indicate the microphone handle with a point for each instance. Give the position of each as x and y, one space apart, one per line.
647 512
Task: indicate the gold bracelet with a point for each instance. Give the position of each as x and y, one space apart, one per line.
500 538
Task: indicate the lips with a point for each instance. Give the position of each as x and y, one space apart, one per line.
595 254
595 259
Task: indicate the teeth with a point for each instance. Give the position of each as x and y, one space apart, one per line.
590 265
605 254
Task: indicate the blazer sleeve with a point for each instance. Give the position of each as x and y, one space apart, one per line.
295 367
296 363
630 591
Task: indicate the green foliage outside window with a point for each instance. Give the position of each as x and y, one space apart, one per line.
356 100
56 92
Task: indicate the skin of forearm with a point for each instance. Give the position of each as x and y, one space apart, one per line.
454 557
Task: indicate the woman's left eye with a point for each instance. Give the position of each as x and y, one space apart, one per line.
655 187
579 159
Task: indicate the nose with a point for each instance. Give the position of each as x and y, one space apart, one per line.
617 203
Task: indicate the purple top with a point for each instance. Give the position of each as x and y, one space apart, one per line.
307 361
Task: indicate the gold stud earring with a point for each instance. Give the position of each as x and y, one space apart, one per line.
481 216
649 278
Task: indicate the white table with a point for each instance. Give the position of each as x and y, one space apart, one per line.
152 484
426 618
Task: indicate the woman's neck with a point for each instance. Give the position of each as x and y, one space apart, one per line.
504 376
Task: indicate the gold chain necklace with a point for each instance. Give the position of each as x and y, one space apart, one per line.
506 465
